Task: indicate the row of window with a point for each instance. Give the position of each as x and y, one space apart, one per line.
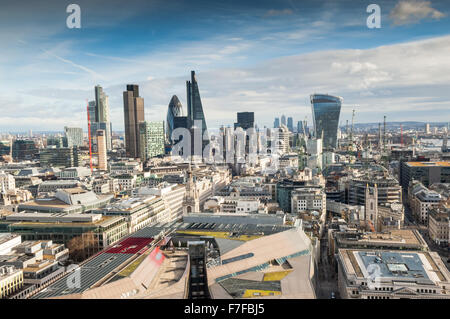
378 297
427 291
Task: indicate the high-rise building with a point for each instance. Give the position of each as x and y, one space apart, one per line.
290 124
151 138
92 111
174 110
283 120
300 127
101 145
60 157
133 107
276 123
314 148
179 122
326 110
195 108
245 120
282 135
102 114
74 136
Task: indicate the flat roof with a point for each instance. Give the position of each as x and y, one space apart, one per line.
394 236
5 237
428 164
410 266
46 202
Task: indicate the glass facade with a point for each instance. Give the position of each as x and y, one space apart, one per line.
195 108
245 120
174 110
24 150
151 139
102 114
276 123
74 136
290 124
133 107
326 110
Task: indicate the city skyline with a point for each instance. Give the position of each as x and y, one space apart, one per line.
248 150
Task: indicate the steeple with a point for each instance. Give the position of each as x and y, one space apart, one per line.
191 203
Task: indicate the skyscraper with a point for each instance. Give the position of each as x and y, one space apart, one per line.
133 107
290 124
92 112
276 123
195 108
300 127
283 120
151 139
178 122
102 114
245 120
174 110
101 145
74 136
326 110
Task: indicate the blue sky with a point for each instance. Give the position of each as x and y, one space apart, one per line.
261 56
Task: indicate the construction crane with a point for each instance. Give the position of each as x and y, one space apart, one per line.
379 136
346 129
304 127
351 132
401 135
370 226
384 134
90 138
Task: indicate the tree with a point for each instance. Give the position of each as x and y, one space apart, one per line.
83 246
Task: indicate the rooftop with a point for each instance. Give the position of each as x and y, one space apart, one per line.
410 266
428 164
5 237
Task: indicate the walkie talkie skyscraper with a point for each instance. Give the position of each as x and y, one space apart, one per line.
326 110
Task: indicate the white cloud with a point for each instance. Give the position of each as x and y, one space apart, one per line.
413 11
407 81
274 12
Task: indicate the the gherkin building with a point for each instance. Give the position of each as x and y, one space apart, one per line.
174 110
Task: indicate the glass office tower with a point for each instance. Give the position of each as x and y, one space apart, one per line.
276 123
195 108
326 110
245 120
151 139
133 107
290 124
102 115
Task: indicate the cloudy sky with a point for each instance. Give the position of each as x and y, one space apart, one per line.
264 56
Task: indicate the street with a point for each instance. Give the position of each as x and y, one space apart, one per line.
327 278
